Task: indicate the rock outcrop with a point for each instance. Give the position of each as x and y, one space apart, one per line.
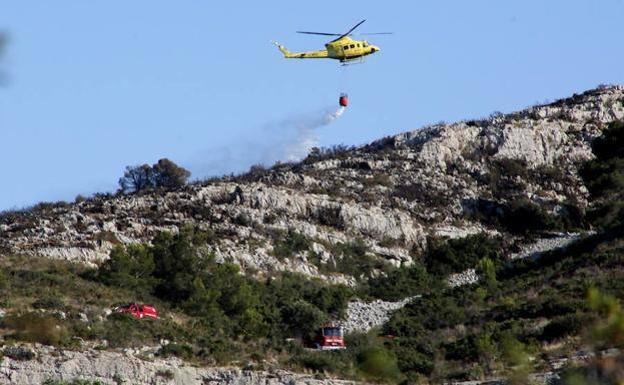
115 368
363 316
391 194
543 245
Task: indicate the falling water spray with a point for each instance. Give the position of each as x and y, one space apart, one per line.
287 140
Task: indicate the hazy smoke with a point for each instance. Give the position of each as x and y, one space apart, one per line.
287 140
3 44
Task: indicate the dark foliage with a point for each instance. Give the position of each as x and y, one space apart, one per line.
604 177
456 255
472 327
317 154
290 245
522 216
131 268
420 193
18 353
169 175
137 178
177 350
48 303
164 174
351 258
331 216
562 326
226 303
398 284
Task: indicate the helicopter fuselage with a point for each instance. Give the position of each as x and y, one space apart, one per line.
343 49
346 48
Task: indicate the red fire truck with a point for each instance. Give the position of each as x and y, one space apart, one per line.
138 311
330 337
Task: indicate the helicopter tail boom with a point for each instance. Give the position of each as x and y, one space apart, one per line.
301 55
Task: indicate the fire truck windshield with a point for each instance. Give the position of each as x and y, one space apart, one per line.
332 332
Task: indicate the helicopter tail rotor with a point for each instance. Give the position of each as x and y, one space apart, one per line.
282 49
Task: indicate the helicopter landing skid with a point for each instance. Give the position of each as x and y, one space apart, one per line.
352 62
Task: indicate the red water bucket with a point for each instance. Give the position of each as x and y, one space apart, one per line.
343 100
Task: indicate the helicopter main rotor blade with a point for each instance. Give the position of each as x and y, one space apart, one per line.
375 33
352 29
319 33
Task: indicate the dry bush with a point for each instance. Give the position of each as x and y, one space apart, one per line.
34 327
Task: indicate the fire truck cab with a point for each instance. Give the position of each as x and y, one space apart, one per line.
330 337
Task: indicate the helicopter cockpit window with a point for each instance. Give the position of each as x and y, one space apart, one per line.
352 45
365 45
345 47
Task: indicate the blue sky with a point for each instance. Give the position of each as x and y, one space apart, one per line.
95 86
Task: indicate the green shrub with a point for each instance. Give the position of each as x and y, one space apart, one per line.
318 361
331 216
523 216
176 263
4 279
379 364
563 326
303 318
18 353
432 311
352 258
456 255
399 283
165 373
512 167
604 177
464 349
164 173
486 268
292 244
229 304
123 330
420 193
414 356
609 145
49 303
177 350
518 360
130 267
243 219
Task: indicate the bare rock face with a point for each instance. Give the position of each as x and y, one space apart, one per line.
467 277
363 316
389 195
114 368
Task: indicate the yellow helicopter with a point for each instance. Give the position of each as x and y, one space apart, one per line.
342 48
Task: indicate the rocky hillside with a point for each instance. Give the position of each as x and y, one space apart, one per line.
387 197
115 368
